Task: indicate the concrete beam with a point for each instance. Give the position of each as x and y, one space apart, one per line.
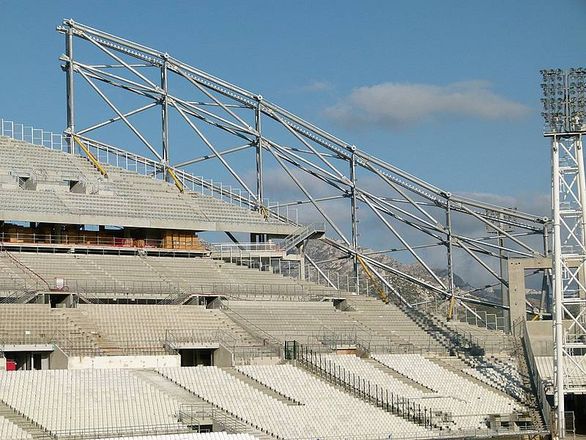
276 229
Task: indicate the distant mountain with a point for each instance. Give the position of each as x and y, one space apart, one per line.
340 267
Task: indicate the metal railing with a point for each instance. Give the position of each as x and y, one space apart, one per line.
301 234
194 415
117 431
162 289
35 136
541 386
177 337
364 389
242 249
89 239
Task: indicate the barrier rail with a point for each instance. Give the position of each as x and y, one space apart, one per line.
540 385
236 249
162 289
373 393
193 415
89 239
35 136
111 432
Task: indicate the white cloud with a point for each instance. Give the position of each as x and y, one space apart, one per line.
396 105
317 86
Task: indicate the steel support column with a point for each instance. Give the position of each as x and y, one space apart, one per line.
450 257
259 158
564 104
353 212
164 117
558 325
70 130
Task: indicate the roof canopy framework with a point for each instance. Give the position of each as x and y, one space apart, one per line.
324 170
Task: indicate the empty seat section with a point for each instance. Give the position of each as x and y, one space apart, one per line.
10 431
470 403
66 401
123 194
317 410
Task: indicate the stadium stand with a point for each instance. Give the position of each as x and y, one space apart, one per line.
322 410
58 401
10 431
43 185
469 403
310 323
370 313
143 276
94 304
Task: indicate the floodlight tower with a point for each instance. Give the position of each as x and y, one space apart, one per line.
564 104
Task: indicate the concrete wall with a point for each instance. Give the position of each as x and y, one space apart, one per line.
541 336
273 360
223 357
99 362
58 360
2 363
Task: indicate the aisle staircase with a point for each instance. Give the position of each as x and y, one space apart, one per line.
36 431
313 230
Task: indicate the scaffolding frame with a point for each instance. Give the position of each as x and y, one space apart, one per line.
401 203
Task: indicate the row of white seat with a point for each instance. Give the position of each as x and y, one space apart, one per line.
470 403
190 436
71 400
323 411
10 431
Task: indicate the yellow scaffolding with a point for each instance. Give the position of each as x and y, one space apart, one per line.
177 182
380 291
95 162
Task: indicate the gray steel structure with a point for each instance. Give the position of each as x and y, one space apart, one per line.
564 104
417 214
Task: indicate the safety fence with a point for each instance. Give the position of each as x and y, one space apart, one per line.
409 409
161 289
117 431
85 239
199 416
541 386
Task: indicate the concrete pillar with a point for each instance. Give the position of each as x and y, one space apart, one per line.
302 261
516 316
516 293
45 361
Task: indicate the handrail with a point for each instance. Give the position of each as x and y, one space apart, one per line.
301 234
361 387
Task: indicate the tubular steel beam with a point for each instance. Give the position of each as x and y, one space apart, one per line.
318 154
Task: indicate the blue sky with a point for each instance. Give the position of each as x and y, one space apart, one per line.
446 90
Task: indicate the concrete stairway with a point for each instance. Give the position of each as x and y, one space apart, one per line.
376 364
36 431
88 329
182 394
261 387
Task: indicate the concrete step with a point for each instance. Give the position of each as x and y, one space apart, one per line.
455 365
169 388
22 422
261 387
183 395
376 364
